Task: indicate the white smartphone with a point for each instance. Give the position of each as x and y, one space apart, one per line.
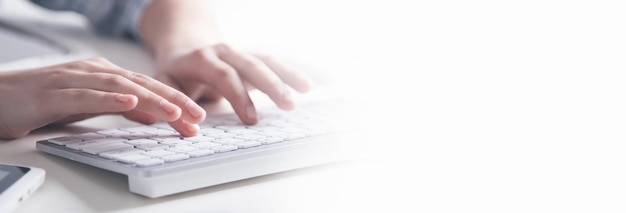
17 183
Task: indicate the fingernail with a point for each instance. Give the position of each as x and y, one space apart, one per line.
168 107
194 110
124 98
192 127
286 96
251 112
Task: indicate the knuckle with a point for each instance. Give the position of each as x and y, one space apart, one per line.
77 95
203 54
113 80
250 65
222 72
178 97
139 78
56 76
59 73
99 60
77 65
264 57
223 47
276 83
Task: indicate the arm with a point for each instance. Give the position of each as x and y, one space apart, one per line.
190 57
116 18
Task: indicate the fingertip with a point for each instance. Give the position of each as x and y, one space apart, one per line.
185 128
251 115
288 106
192 129
305 85
196 113
286 101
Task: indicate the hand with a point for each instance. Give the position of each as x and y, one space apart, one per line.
219 71
83 89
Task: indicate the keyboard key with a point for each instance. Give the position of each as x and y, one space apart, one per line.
225 148
106 147
205 145
228 140
150 147
163 132
158 153
221 135
248 144
270 140
140 129
175 157
200 153
83 144
64 140
165 138
242 131
127 151
250 136
90 136
131 158
183 149
134 136
143 141
230 127
210 130
199 138
149 162
176 142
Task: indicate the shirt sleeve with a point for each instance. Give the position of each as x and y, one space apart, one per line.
119 18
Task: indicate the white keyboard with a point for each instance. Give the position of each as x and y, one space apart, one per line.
153 157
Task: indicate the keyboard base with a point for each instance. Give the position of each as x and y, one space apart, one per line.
244 168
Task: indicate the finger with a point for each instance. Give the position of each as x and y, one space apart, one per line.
258 74
149 101
296 80
226 81
84 101
185 128
192 91
189 110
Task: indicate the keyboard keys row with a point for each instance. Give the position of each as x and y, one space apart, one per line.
158 144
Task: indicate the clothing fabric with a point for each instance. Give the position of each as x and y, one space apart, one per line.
119 18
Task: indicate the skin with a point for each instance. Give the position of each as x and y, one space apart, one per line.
78 90
191 65
189 56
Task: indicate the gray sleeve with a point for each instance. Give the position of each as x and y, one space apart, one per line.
119 18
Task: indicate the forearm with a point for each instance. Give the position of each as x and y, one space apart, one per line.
170 27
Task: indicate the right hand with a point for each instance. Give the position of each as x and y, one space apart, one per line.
74 91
